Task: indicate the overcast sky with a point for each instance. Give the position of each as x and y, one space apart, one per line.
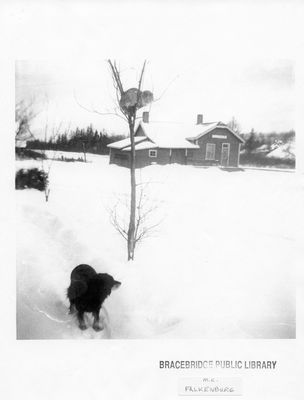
221 59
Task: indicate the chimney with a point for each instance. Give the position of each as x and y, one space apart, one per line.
145 117
199 119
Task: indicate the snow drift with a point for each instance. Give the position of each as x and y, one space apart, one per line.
220 264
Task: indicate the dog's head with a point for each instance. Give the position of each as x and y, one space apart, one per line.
108 282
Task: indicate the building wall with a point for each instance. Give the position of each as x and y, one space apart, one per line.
143 159
178 156
198 157
119 157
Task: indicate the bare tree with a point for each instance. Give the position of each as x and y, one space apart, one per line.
234 125
47 165
145 223
129 102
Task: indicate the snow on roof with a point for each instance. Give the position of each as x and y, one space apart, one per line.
285 151
168 135
200 130
171 135
146 144
120 144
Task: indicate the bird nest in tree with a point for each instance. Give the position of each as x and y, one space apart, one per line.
135 98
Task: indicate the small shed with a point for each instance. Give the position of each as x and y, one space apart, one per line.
22 138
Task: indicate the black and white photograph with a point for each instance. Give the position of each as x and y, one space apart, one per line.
172 178
157 196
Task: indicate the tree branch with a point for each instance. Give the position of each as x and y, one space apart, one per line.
92 110
116 76
166 89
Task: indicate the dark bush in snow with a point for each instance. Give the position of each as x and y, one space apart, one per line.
31 178
260 160
67 159
25 154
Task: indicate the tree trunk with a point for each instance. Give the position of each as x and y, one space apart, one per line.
131 230
130 114
84 151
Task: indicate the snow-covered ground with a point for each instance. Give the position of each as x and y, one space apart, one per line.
219 265
285 151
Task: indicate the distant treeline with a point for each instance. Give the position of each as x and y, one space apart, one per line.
88 140
93 141
254 140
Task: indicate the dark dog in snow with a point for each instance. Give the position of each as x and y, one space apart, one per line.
87 292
